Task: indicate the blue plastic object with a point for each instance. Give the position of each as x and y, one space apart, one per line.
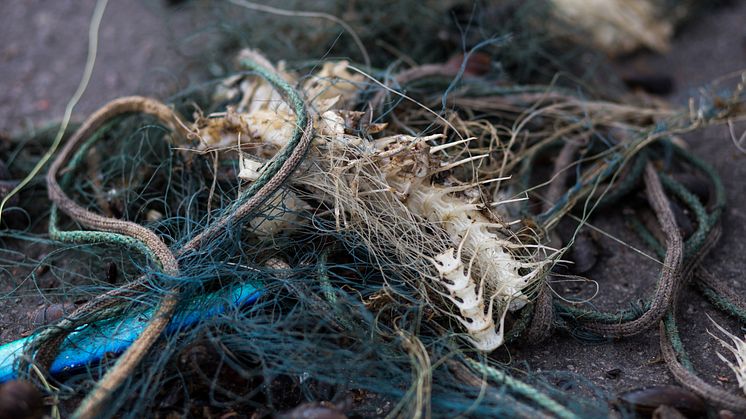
91 342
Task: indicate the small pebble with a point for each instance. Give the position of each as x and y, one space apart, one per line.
614 373
50 313
584 253
647 400
477 64
656 84
153 216
726 414
667 412
20 399
322 410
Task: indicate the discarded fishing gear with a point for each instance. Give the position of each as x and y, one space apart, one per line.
385 264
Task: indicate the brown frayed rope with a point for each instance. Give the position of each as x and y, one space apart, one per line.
671 271
133 104
542 319
690 380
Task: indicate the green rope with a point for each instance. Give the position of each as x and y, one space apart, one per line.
722 303
521 388
323 273
705 223
91 237
707 169
719 301
628 183
646 235
669 322
301 115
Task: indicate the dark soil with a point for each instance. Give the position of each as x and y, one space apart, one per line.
144 49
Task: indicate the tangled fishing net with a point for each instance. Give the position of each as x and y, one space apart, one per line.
340 238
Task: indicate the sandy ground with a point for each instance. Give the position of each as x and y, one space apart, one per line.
144 49
42 57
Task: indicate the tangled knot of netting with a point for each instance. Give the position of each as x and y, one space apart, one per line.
328 237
